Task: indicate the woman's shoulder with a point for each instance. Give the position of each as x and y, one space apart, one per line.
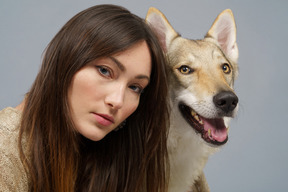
9 129
12 173
9 119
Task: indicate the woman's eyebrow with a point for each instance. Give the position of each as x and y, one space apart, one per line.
122 68
118 63
143 77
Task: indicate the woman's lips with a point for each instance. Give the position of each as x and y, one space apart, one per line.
103 119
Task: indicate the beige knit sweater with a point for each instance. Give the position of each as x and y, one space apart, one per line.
12 174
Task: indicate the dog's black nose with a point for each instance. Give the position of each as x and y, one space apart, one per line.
226 101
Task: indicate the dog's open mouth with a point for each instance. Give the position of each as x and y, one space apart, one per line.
212 131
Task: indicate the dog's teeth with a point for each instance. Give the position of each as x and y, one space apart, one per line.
193 113
209 132
196 117
201 122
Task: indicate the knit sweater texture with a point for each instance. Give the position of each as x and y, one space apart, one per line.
12 174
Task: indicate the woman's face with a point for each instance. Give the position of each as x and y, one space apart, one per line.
107 90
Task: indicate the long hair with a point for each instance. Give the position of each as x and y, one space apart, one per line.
58 158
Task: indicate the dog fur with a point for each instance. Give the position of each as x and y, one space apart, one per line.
202 74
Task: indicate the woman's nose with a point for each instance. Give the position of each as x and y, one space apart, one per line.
115 98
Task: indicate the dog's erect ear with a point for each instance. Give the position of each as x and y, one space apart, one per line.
224 31
161 26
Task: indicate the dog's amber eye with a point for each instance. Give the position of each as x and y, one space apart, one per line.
226 68
184 69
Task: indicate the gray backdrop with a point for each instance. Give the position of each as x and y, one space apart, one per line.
256 156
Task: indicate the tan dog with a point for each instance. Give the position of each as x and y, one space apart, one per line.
202 96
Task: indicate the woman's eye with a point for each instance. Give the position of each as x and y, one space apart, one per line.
184 69
104 71
226 68
136 89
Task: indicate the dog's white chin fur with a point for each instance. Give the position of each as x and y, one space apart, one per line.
188 152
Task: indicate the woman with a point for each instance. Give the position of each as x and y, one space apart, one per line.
96 116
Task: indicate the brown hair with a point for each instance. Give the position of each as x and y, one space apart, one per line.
58 157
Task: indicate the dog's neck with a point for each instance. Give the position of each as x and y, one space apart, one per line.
188 153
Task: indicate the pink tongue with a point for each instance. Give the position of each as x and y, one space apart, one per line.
217 127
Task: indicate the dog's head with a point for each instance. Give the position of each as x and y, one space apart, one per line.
202 74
